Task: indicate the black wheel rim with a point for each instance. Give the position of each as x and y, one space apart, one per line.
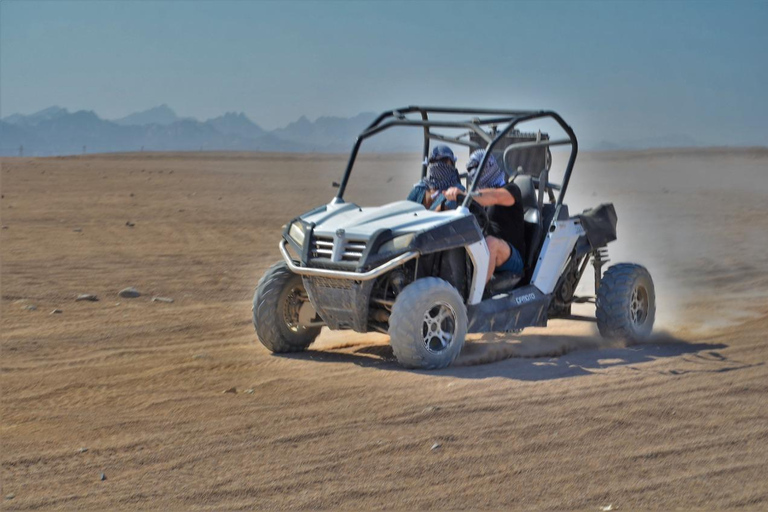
639 305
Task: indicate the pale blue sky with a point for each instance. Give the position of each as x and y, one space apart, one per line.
616 70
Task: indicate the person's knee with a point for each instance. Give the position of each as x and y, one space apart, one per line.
503 252
494 246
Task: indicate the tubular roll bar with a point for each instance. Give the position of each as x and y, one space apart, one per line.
511 117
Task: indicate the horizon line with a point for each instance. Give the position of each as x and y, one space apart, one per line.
330 155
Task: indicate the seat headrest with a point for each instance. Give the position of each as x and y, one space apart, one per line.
527 191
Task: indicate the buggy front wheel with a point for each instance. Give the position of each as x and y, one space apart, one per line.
428 324
277 304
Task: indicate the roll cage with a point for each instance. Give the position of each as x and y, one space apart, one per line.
506 118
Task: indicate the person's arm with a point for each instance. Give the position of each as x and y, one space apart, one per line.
420 194
491 196
485 197
429 198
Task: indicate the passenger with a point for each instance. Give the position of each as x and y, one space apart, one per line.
441 175
503 202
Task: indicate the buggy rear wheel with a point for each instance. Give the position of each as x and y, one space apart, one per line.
428 324
626 303
277 305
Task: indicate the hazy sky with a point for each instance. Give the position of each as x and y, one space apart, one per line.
616 70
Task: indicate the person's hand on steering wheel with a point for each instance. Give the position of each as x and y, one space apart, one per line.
453 193
456 194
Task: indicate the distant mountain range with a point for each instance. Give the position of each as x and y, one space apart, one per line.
162 115
56 131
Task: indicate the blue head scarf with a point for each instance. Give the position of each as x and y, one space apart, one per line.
492 175
441 176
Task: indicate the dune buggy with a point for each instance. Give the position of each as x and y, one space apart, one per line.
418 275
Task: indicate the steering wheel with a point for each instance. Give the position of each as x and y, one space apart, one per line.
475 208
438 202
480 213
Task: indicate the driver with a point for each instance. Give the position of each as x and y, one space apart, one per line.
503 202
441 175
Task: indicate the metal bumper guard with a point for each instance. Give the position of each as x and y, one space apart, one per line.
340 274
341 298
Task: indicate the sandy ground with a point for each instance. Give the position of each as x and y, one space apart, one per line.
550 419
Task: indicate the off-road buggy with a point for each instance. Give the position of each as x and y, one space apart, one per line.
418 275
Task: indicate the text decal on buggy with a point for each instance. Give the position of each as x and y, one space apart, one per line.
526 298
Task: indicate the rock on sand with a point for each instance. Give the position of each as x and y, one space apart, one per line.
129 293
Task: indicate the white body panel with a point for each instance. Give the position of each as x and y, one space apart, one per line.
554 254
402 217
481 258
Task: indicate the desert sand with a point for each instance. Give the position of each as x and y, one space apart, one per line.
552 418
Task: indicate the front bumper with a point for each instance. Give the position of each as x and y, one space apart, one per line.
342 274
341 297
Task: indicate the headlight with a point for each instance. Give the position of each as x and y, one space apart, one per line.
297 233
397 244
